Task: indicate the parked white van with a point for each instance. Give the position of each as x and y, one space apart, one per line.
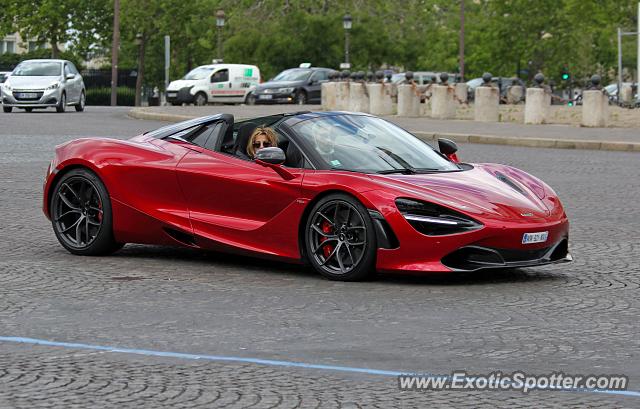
228 83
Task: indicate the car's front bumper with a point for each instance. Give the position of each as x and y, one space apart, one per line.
42 99
274 98
180 96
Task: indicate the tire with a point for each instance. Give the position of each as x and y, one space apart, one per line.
62 104
334 249
200 99
29 109
250 99
7 110
301 98
81 214
81 103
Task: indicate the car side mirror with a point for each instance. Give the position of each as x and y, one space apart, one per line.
273 158
70 76
448 148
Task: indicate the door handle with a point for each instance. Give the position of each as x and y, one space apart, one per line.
229 85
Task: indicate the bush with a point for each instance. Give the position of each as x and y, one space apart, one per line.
9 61
102 96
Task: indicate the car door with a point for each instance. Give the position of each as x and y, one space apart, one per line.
70 85
239 204
315 86
220 89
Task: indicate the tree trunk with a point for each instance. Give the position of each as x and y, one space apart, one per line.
140 78
55 51
115 46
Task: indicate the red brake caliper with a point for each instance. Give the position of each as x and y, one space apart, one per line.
326 228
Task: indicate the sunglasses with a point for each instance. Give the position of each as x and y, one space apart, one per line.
262 144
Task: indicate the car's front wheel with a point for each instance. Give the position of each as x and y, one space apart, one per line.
200 99
80 105
301 98
81 214
62 104
7 109
340 241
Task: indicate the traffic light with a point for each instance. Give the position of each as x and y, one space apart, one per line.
565 76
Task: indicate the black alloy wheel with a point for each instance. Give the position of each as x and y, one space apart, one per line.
81 214
340 239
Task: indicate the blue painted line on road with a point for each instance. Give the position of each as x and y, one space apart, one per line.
258 361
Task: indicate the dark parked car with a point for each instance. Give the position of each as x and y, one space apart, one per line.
296 85
503 83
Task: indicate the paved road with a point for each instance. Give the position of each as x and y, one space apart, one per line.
577 318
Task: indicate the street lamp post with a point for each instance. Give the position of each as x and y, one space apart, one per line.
220 24
346 24
139 41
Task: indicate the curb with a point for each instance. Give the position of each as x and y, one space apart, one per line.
139 113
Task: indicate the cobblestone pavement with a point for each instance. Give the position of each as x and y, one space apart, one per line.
580 318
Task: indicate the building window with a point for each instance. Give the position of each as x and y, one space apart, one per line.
35 45
9 47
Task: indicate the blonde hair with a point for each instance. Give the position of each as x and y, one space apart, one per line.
261 130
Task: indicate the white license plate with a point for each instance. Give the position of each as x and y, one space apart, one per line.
172 94
539 237
26 95
265 96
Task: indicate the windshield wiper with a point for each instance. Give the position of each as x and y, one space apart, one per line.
408 171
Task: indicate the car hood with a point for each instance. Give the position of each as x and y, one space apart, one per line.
178 84
486 191
31 82
278 84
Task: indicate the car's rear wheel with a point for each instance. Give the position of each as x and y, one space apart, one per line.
80 105
200 99
340 240
62 104
81 214
7 109
250 99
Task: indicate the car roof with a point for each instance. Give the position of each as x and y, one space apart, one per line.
225 66
45 60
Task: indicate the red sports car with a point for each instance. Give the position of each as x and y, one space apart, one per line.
348 193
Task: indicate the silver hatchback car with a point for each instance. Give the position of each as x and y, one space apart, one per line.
41 84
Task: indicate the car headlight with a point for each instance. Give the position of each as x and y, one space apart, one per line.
55 85
435 220
285 90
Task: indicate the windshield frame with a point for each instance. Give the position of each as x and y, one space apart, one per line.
307 71
203 68
15 73
292 126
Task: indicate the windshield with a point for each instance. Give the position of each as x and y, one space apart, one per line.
38 69
368 144
199 73
292 75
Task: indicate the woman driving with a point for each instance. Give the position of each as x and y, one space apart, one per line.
262 137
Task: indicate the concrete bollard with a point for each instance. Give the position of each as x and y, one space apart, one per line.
536 109
342 96
626 94
328 95
487 101
358 97
515 94
595 108
380 99
443 104
461 92
408 101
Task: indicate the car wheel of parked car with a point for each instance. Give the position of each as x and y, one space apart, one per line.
81 214
301 98
340 240
7 109
250 99
62 104
80 105
200 99
29 109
